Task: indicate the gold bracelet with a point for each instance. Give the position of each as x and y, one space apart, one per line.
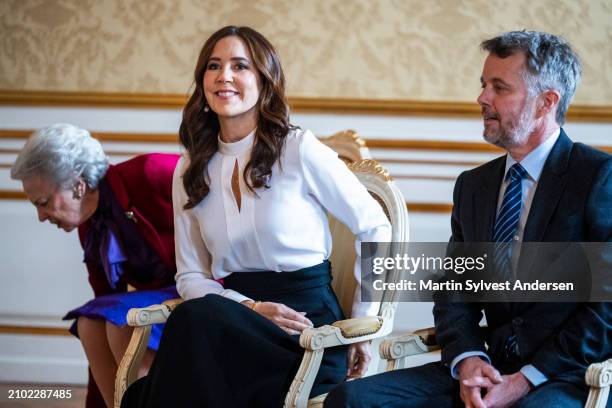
255 303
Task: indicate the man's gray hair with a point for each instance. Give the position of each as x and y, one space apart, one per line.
551 63
61 153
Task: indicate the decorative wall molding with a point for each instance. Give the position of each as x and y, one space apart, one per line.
104 136
34 330
445 145
416 207
107 151
473 147
376 143
589 113
423 177
95 99
394 160
429 207
12 195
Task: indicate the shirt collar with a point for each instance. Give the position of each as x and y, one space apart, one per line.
533 163
238 147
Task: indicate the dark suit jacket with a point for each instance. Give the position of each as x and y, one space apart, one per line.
572 203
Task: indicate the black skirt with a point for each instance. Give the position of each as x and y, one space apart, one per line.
216 352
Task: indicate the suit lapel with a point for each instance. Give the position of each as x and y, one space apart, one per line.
548 192
550 186
485 210
484 202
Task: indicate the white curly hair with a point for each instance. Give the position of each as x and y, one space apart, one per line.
61 153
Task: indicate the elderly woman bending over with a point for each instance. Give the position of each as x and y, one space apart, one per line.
124 217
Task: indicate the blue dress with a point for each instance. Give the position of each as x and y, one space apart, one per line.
114 242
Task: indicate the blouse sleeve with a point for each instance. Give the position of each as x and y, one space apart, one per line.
342 194
194 278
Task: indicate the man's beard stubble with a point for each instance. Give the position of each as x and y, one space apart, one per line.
510 135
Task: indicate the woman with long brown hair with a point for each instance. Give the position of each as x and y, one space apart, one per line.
251 198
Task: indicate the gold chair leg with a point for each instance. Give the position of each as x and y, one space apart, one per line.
127 371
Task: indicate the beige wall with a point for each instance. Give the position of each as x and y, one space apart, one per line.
383 49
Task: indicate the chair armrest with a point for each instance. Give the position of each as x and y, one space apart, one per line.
599 374
141 319
344 332
146 316
316 340
599 378
404 346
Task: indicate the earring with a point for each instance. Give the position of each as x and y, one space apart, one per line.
77 194
206 108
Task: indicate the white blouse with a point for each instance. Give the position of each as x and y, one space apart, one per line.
284 228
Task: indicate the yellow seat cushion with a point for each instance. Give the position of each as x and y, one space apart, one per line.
360 326
317 402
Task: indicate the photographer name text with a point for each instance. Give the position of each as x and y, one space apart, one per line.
472 286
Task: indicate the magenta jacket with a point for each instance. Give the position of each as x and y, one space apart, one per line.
143 188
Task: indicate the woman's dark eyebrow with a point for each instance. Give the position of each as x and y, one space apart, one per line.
231 59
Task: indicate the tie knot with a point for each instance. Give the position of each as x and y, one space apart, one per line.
517 172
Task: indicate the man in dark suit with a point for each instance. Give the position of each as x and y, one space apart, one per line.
546 189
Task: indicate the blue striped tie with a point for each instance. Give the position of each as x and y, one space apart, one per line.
508 218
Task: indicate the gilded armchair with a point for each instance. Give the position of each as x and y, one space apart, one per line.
314 341
349 331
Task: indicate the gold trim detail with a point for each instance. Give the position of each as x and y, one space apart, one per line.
348 144
95 99
385 107
430 162
429 207
432 145
34 330
108 153
591 113
370 167
104 136
12 195
415 207
423 177
474 147
376 143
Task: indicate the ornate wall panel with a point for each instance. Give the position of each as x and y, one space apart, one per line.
384 49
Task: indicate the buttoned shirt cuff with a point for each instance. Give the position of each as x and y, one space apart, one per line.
533 375
463 356
232 294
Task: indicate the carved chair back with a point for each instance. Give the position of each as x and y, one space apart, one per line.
350 147
381 186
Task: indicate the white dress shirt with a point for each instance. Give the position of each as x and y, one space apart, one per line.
282 228
533 163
